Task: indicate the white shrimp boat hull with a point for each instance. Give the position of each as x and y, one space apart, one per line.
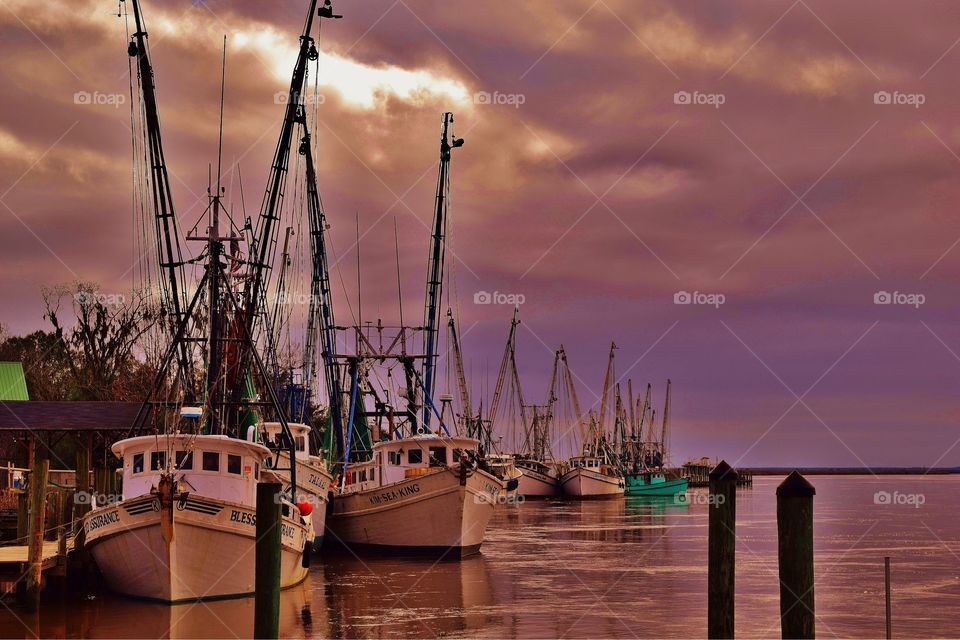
315 485
207 554
444 512
534 484
314 482
583 483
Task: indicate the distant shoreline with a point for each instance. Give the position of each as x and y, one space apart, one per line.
854 471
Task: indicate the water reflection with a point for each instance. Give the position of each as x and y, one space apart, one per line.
109 616
407 596
628 568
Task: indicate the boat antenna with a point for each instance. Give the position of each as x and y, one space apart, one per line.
223 77
359 296
396 249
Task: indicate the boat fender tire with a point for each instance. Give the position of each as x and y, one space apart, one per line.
513 483
307 552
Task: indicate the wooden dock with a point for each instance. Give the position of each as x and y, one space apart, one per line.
13 558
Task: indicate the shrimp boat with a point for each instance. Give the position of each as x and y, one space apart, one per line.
595 474
644 456
213 424
316 483
538 480
424 494
504 467
409 484
592 477
185 527
654 483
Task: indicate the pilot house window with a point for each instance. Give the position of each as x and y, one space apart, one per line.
211 461
138 463
233 463
438 456
158 460
393 457
415 456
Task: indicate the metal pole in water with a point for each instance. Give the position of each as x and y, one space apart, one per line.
266 616
795 555
38 491
886 584
722 542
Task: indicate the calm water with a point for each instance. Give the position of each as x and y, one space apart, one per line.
626 569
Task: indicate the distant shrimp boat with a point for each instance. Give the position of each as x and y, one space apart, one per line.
654 483
504 467
538 479
418 495
590 477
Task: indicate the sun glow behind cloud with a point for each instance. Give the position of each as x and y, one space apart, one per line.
360 85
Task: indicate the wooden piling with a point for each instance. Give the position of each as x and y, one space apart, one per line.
81 501
23 516
38 490
82 479
886 585
266 616
722 542
795 555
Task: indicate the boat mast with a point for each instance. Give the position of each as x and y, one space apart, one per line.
321 304
542 430
506 361
606 392
431 321
464 390
253 294
663 428
169 254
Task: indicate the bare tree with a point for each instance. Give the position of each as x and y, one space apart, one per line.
100 349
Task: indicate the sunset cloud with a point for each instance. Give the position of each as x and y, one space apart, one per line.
588 187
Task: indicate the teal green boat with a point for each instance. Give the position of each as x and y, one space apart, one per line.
654 483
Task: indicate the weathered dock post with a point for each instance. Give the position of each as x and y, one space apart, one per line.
795 555
886 585
38 493
721 545
266 612
23 516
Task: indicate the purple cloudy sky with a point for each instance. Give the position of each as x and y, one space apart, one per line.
785 183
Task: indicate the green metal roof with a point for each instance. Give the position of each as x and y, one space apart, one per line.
13 385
